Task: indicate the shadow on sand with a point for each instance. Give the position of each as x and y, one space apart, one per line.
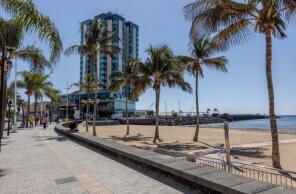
130 139
257 152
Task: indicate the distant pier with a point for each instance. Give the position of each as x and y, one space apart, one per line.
240 117
191 120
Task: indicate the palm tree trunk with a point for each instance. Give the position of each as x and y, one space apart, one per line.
95 113
274 130
4 103
2 94
49 113
126 111
28 110
157 98
197 109
86 119
96 93
23 113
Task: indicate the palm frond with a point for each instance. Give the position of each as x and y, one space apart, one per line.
11 34
116 75
27 14
234 34
77 49
117 85
34 56
218 63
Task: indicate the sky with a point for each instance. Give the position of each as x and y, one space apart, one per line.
242 90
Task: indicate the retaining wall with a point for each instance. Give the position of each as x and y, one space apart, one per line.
197 177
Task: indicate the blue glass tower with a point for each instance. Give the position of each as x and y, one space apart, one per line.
128 34
128 42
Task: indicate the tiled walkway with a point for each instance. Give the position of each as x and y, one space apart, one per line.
36 161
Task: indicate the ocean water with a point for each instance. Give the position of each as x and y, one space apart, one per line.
286 124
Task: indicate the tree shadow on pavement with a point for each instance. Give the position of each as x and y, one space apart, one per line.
3 172
42 138
6 142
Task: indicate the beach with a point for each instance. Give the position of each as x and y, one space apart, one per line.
179 138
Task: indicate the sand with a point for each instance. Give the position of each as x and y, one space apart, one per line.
262 156
180 139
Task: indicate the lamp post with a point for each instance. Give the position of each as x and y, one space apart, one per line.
9 116
79 104
15 98
67 105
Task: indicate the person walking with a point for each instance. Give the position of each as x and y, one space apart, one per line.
30 121
44 121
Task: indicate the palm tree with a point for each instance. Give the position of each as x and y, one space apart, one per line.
33 83
128 78
40 83
55 98
161 69
34 57
10 37
26 18
22 103
208 111
26 83
203 50
30 19
97 40
88 86
10 91
10 96
234 22
216 111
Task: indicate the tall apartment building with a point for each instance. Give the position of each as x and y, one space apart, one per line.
128 42
109 102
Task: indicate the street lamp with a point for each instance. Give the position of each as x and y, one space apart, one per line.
67 106
15 97
9 116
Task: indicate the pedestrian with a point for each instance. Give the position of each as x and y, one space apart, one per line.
30 121
44 122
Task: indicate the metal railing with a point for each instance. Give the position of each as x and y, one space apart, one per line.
271 175
261 173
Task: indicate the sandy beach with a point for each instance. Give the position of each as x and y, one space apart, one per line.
180 139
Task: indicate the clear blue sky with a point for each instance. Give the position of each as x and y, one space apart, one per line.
242 90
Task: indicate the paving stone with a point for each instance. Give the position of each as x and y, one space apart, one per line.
253 187
29 165
202 175
65 180
278 190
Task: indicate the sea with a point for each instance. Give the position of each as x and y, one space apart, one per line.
286 124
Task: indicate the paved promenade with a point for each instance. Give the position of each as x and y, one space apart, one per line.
35 161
